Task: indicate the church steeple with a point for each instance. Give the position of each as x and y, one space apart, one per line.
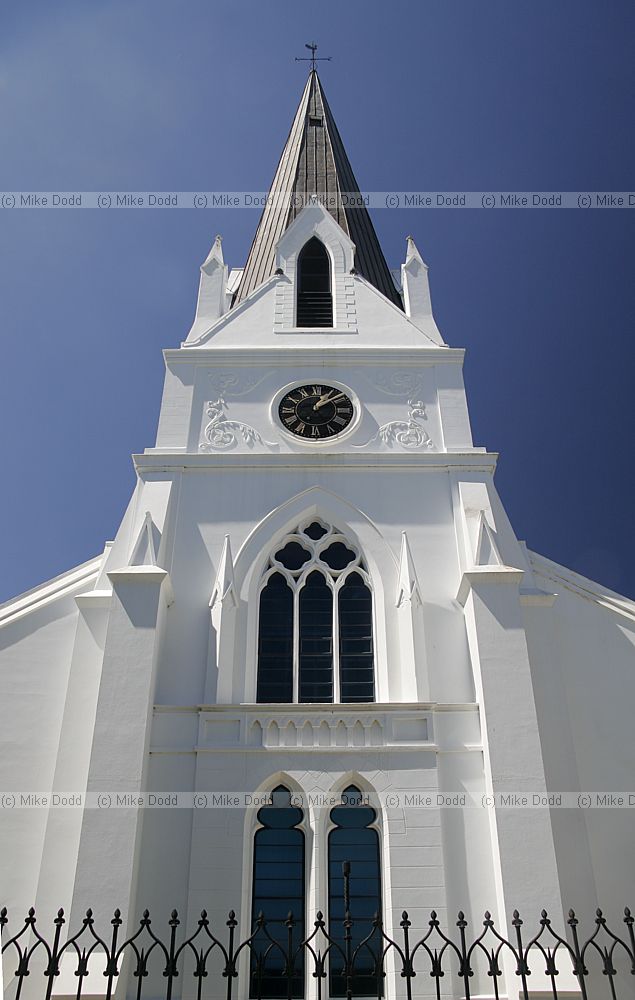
314 162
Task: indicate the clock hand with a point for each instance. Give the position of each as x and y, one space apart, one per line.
328 399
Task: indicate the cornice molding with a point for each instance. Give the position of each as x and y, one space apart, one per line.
286 356
144 575
472 578
49 591
171 462
581 586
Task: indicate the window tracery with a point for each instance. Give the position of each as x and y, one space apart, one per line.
315 627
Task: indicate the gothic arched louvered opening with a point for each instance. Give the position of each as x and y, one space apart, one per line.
356 640
275 641
316 640
353 840
314 297
315 628
278 890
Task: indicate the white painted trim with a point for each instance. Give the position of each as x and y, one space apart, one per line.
289 357
60 586
580 585
487 574
170 462
228 316
321 707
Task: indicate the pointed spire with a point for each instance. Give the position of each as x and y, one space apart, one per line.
224 587
212 291
144 552
416 292
215 256
314 162
487 553
408 584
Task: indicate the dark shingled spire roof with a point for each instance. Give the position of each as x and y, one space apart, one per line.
314 162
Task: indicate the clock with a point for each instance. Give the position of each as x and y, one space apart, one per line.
315 412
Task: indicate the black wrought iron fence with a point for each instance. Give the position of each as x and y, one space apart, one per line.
436 963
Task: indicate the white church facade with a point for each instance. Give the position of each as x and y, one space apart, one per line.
316 620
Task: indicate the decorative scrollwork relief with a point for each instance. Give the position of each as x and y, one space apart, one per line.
406 433
226 383
221 434
398 383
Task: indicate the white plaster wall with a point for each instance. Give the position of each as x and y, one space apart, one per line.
35 656
383 393
234 502
583 668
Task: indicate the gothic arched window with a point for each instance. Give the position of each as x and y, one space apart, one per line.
278 890
354 843
315 627
315 299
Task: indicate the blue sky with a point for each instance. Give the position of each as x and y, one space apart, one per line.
436 95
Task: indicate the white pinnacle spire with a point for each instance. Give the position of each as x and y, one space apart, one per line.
486 553
144 550
224 588
212 291
215 254
416 293
408 585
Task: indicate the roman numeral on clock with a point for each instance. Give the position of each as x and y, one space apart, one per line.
316 412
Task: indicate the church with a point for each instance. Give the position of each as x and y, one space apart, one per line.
315 671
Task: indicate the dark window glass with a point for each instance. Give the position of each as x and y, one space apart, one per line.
278 890
315 301
337 555
293 556
357 666
315 531
275 642
351 841
316 640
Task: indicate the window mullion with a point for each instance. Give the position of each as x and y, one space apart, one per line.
296 644
336 645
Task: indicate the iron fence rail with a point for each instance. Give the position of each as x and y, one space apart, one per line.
199 963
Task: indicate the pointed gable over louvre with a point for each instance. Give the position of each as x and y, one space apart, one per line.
314 162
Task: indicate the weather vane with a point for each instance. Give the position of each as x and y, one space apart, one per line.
312 47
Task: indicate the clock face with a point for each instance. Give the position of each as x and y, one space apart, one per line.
315 412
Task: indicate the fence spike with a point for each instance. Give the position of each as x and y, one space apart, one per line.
411 961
